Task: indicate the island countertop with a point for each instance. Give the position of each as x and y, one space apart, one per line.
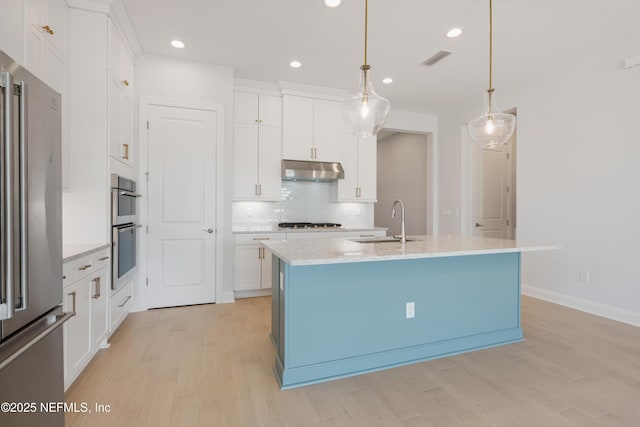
340 250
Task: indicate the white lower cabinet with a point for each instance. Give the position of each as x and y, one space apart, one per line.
253 264
120 304
86 288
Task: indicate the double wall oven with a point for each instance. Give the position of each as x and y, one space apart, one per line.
124 226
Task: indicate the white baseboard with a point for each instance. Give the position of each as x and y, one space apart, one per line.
253 293
602 310
227 296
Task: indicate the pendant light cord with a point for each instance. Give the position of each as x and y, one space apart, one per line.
490 46
366 23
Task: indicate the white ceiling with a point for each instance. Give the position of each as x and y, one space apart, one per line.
259 38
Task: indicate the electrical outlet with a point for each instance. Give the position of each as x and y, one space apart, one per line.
584 276
411 310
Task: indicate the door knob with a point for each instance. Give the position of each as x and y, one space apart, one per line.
208 230
479 225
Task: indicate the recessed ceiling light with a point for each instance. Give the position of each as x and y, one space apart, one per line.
295 64
453 33
177 44
332 3
387 80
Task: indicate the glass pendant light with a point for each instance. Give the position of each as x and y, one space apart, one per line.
492 128
365 111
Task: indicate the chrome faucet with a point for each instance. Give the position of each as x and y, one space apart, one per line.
403 235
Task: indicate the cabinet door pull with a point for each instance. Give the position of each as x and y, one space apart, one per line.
73 302
312 152
262 238
96 284
104 258
367 235
125 82
48 29
125 151
125 302
84 267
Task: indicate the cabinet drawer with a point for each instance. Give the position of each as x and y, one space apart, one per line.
82 267
120 304
252 239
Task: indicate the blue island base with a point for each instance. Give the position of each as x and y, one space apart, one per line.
338 320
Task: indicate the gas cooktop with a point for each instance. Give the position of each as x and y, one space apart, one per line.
308 225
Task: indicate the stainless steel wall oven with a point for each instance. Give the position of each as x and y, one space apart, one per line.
124 230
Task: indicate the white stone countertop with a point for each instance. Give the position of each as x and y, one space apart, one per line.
271 229
335 250
71 251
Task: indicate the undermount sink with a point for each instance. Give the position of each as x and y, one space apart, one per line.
381 239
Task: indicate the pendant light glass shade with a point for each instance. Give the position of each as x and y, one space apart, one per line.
492 128
365 111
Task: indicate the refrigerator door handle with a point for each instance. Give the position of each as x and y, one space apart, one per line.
7 302
24 223
35 340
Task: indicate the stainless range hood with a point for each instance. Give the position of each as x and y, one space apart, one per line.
300 170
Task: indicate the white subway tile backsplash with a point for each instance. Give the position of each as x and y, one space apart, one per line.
301 202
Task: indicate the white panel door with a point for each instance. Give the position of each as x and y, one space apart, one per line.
181 206
489 202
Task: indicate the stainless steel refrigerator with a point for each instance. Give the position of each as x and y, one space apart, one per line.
31 353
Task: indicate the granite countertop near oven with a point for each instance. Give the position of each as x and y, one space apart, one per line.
72 251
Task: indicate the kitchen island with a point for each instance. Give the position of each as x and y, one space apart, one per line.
341 308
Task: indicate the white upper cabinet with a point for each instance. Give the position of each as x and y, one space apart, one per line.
311 129
359 160
12 20
257 146
297 128
48 41
121 141
253 108
328 123
120 63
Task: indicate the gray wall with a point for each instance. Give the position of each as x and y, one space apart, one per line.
402 174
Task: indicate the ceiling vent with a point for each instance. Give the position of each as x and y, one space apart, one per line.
437 58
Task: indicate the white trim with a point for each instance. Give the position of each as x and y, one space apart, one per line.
252 293
319 92
143 145
118 14
602 310
255 86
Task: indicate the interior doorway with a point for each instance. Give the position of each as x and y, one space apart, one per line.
403 173
491 188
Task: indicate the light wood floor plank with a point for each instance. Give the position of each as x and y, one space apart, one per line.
211 365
